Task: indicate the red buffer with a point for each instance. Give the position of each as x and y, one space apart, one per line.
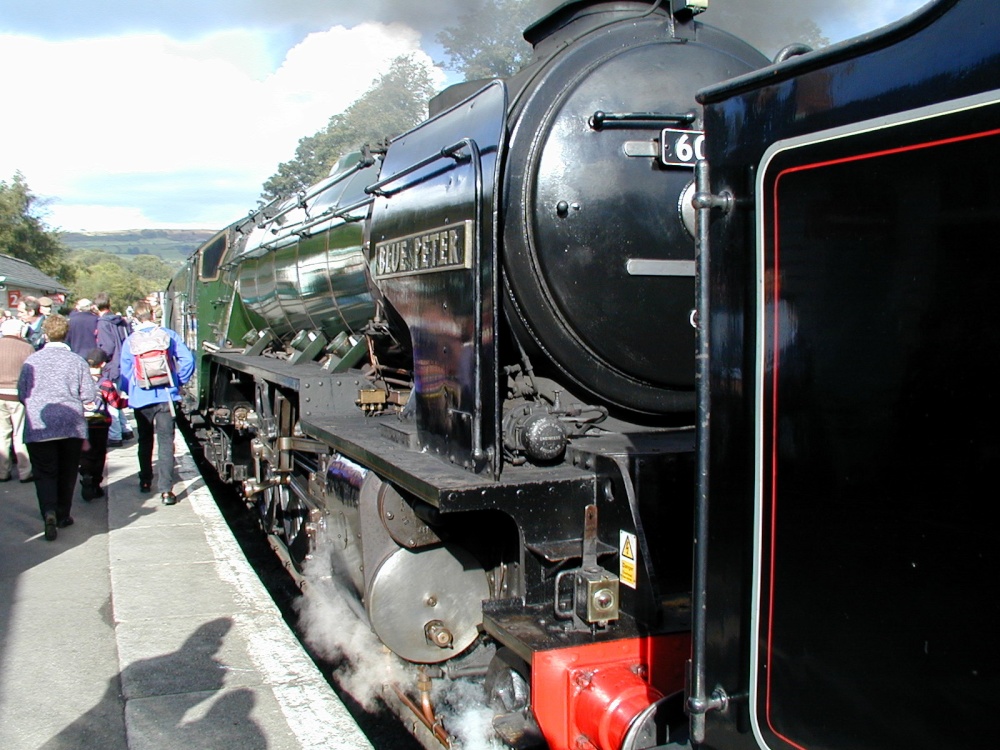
589 697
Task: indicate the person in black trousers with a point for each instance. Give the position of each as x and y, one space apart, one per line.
98 415
154 408
54 385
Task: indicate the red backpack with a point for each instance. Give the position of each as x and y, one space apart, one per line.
151 351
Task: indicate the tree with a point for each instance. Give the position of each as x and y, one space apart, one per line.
24 235
124 279
395 103
487 41
151 268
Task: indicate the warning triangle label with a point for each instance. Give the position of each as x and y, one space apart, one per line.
627 550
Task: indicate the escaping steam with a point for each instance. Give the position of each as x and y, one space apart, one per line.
332 624
334 630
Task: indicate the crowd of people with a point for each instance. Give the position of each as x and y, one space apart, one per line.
66 383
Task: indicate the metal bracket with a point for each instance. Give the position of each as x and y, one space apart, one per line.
682 8
264 339
307 345
343 355
595 590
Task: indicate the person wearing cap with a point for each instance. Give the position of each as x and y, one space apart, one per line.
82 336
13 351
45 306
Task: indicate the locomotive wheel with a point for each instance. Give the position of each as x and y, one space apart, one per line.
507 686
508 693
290 517
267 507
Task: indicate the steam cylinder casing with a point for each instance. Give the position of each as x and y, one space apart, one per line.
301 271
584 202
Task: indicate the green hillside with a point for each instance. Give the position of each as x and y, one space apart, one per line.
173 246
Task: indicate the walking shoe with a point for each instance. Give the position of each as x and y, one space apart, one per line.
128 435
145 486
67 521
27 479
50 527
168 498
5 479
114 443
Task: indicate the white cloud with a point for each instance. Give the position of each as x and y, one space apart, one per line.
855 17
114 110
106 218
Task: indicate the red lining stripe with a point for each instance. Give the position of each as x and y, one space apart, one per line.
776 296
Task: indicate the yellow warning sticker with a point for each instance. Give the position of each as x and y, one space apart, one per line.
628 556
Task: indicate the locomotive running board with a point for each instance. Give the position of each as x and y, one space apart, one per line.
450 488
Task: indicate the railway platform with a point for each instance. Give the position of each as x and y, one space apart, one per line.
143 627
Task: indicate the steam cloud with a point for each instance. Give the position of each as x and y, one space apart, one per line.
367 668
335 632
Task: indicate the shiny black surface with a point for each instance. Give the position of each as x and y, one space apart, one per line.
303 273
450 310
874 432
579 208
872 500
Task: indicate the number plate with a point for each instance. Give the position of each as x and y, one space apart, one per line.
681 148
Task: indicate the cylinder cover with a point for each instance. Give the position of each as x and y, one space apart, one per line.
444 586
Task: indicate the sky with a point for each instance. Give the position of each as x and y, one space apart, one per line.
143 114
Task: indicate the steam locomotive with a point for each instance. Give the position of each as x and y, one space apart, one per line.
649 386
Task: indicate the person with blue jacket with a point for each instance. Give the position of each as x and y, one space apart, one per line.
154 407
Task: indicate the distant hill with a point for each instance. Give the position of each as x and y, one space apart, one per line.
172 245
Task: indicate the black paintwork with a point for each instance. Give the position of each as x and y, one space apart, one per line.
636 480
577 209
450 313
878 341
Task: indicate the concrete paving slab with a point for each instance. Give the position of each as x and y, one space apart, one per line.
85 563
241 718
101 725
171 656
145 545
141 509
169 590
143 626
77 670
58 659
